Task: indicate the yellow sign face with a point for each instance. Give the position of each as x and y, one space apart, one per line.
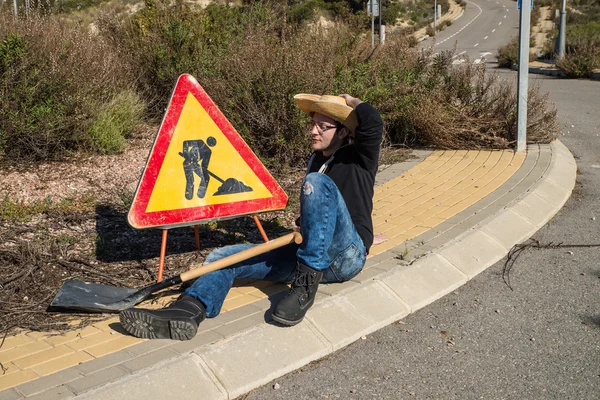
200 168
223 161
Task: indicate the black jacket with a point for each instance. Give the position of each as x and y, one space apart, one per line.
353 170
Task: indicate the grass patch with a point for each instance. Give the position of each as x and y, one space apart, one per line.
114 123
17 212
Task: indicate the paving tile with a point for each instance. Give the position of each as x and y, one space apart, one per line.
17 378
390 264
42 356
239 313
201 339
118 343
15 341
149 359
508 228
537 210
282 350
71 336
562 173
333 288
94 340
368 275
473 252
148 346
186 378
240 325
57 393
61 363
10 394
106 324
263 304
345 318
23 351
48 382
425 281
104 362
96 379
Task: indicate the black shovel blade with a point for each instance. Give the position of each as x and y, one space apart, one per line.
93 297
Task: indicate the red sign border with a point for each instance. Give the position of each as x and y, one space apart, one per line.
140 219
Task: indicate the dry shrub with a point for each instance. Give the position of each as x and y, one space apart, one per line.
472 109
54 78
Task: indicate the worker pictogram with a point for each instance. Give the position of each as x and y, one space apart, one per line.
200 168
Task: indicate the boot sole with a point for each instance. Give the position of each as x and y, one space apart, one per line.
148 326
286 322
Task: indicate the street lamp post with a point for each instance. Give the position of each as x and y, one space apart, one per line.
434 17
523 77
562 31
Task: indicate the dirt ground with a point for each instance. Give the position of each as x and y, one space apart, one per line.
68 220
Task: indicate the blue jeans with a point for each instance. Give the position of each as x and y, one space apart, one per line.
330 244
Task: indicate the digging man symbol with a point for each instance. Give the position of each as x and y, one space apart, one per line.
196 156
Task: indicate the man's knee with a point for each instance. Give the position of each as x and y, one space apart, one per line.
216 255
316 182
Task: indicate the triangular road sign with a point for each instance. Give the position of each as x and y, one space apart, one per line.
199 168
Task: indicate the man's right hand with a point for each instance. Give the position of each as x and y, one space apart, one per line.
351 101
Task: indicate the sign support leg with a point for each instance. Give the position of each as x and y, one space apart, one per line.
260 228
163 250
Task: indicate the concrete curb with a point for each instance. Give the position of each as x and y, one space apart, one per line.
226 361
233 366
553 72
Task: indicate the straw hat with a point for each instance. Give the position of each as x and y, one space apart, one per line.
334 107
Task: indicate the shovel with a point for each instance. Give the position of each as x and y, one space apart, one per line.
92 297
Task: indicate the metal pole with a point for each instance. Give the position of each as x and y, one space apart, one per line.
434 16
372 26
16 8
379 16
523 77
562 30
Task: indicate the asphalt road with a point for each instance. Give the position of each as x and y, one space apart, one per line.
484 26
538 340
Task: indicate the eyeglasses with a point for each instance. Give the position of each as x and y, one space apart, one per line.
320 126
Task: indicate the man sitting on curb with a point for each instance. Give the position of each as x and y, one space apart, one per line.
336 202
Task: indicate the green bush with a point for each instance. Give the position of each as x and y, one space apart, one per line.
508 55
54 80
251 61
582 50
115 121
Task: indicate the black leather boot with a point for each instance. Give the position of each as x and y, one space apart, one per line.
300 298
179 321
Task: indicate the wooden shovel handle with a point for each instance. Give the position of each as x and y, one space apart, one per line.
241 256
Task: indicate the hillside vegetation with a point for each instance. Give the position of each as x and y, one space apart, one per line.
67 88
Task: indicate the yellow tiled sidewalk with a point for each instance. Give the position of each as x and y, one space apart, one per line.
441 186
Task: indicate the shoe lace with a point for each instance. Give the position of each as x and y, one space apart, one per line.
303 281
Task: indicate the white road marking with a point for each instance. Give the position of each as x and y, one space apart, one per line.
478 61
500 23
468 23
462 52
487 53
493 30
476 44
483 38
504 17
456 62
